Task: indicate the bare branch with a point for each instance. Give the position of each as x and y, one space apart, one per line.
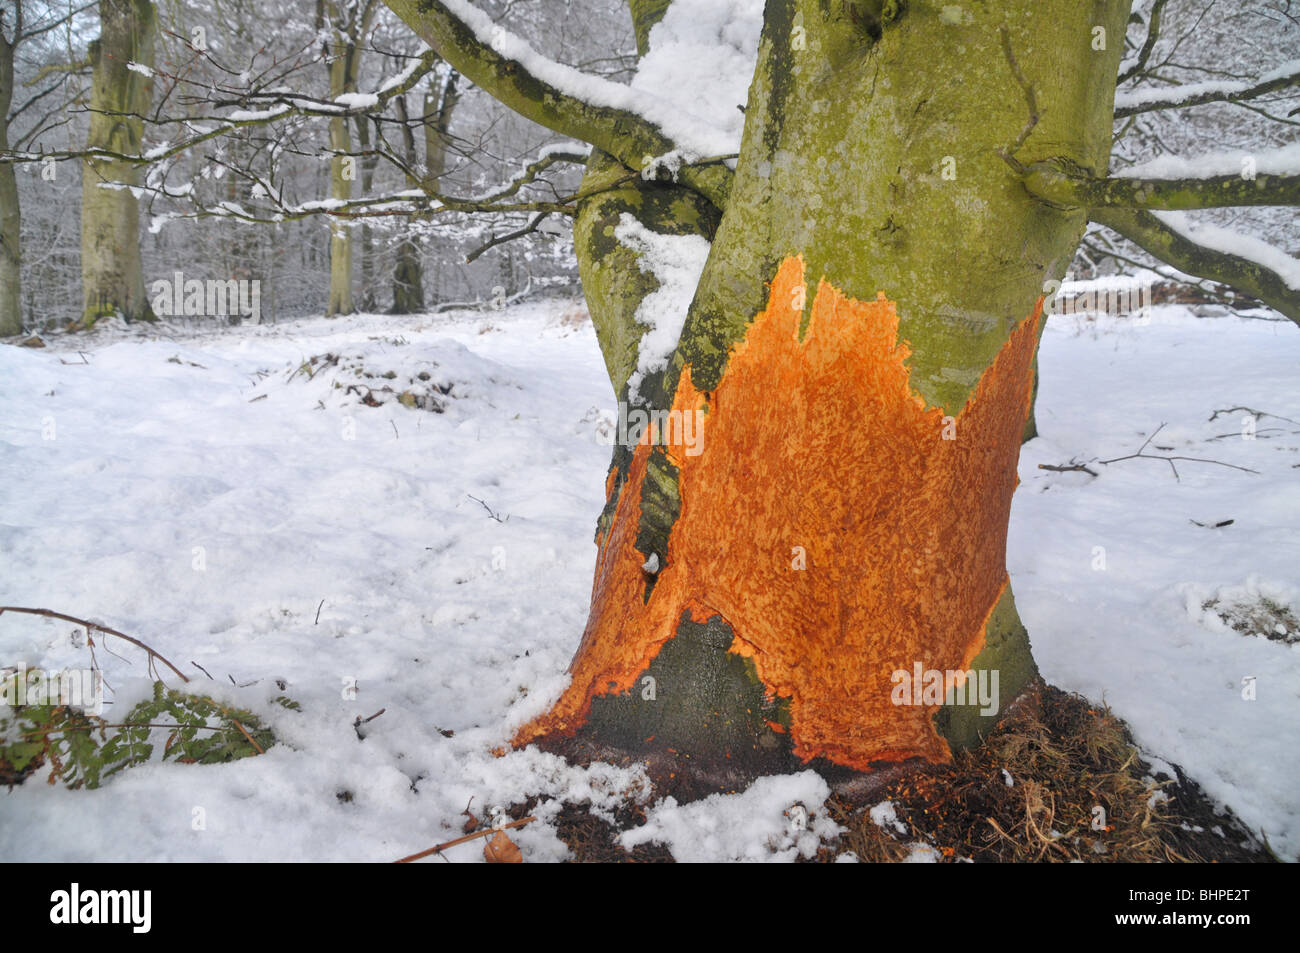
1153 34
1063 187
1143 455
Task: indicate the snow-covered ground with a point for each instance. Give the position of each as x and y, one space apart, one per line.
207 493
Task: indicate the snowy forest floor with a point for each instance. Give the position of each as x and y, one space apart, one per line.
396 513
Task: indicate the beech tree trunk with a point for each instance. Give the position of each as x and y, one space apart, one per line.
342 172
439 103
859 356
11 316
408 275
112 278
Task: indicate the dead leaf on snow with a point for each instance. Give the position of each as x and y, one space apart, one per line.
500 849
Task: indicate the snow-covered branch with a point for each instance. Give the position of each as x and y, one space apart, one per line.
1150 99
1245 263
421 201
629 124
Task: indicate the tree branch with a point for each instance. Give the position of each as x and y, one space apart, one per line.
1153 34
1198 94
1143 455
1172 246
622 133
283 106
509 237
80 66
1064 188
88 626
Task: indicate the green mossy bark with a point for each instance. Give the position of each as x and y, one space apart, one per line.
612 279
1031 423
623 134
645 14
1062 187
1006 651
877 161
1144 229
112 278
703 702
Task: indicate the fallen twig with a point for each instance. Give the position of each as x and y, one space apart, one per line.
468 837
356 725
1253 412
1262 430
491 513
1170 460
1067 468
50 614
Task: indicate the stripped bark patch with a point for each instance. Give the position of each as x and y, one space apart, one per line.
842 530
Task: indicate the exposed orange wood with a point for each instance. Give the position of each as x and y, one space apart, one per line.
821 444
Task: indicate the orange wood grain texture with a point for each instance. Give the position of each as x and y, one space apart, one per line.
821 444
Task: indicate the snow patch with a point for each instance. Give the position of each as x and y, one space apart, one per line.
885 815
676 262
751 826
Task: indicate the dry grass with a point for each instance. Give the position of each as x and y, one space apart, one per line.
1273 620
1078 791
573 318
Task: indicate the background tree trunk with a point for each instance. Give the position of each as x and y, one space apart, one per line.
408 276
112 278
342 171
366 244
11 320
439 103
